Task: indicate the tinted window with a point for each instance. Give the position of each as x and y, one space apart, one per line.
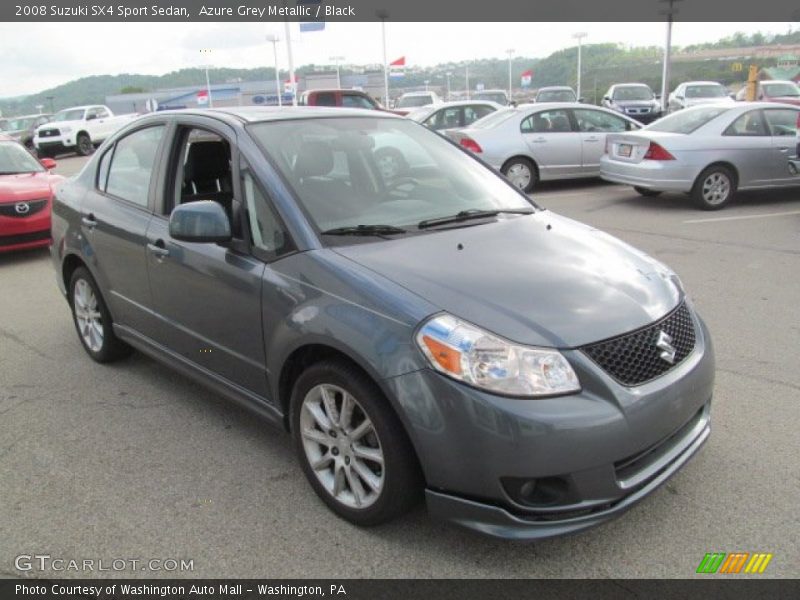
636 92
782 122
596 120
326 99
556 96
352 101
687 120
132 165
749 124
547 121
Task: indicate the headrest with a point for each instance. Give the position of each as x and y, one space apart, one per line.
207 161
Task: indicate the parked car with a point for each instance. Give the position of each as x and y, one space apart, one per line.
540 142
452 115
79 129
498 96
26 190
556 93
340 98
708 151
411 100
3 125
437 332
785 92
635 100
693 93
22 129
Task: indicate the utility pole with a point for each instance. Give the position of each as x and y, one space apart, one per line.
336 60
292 81
383 15
274 39
670 13
206 66
510 53
579 36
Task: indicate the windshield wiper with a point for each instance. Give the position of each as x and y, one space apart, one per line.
365 230
466 215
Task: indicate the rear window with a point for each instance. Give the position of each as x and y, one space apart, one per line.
688 120
494 119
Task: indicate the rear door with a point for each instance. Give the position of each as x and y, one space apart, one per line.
748 145
207 297
782 123
550 139
593 126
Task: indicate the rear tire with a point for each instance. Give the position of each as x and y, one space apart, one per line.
646 192
92 319
83 145
361 465
714 188
521 173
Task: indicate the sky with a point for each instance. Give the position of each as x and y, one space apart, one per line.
37 56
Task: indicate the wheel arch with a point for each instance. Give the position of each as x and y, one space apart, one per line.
719 163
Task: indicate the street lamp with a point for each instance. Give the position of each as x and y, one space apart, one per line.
427 81
670 12
336 60
207 52
510 53
274 39
579 36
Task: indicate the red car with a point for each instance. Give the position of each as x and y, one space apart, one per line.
26 195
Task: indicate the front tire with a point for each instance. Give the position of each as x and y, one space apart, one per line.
352 447
92 319
83 145
521 173
646 192
714 188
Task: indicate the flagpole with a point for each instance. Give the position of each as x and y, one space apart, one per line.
292 81
383 15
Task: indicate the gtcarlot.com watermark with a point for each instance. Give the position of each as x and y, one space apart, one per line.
46 562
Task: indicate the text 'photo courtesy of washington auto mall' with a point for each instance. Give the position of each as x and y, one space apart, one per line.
348 292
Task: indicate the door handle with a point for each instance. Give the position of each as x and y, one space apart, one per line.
89 221
540 140
784 150
591 139
158 250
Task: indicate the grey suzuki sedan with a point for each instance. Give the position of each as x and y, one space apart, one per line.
425 332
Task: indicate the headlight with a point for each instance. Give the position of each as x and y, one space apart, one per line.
474 356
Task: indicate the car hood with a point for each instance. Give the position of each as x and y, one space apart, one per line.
60 124
539 279
26 186
636 103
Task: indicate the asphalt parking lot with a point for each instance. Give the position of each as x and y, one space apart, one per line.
134 461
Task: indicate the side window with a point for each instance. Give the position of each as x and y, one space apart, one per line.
473 113
266 228
102 170
91 114
445 118
749 124
595 120
102 113
782 121
355 101
547 121
132 165
203 169
326 99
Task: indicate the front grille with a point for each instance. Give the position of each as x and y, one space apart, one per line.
24 238
634 359
10 209
638 111
49 133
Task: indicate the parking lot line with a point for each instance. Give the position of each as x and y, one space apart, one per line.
743 217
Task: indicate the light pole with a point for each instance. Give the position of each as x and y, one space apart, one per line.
448 75
670 12
466 79
579 36
383 15
427 81
336 60
274 39
292 81
510 53
207 52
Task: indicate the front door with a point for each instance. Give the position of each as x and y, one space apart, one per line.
553 144
593 126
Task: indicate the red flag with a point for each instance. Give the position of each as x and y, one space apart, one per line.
400 62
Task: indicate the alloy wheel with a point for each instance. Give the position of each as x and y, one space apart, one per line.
716 188
88 315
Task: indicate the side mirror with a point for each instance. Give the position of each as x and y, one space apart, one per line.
606 98
202 222
48 163
581 100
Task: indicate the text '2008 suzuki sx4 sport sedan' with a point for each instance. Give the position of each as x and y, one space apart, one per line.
424 329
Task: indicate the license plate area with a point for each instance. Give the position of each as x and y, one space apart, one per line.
624 150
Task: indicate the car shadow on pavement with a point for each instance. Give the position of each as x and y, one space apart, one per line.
17 257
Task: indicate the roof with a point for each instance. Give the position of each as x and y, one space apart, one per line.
256 114
555 87
84 107
701 83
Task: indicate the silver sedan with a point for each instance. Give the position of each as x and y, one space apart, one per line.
538 142
453 115
709 152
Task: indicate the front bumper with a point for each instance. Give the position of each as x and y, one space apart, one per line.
64 143
25 233
601 450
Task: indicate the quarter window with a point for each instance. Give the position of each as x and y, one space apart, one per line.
132 163
265 227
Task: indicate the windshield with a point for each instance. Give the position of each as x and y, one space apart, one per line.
556 96
412 101
634 92
706 91
69 115
498 97
776 90
349 171
494 119
20 124
687 120
15 159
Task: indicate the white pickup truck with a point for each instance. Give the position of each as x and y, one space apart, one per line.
79 129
